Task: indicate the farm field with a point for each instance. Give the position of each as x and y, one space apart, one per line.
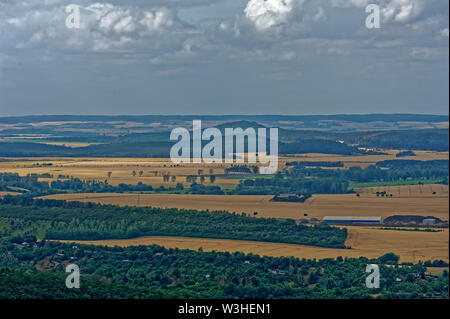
365 241
365 160
121 170
436 270
154 168
368 204
7 193
38 140
408 190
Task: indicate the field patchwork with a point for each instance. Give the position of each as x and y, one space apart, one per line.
365 241
367 204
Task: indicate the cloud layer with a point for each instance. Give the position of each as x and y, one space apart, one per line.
279 41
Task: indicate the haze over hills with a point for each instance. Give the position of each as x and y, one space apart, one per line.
149 136
119 125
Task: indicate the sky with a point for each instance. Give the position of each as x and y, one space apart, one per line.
223 57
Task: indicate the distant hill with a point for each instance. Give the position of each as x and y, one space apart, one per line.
432 140
117 137
258 118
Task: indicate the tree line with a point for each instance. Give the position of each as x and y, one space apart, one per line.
87 221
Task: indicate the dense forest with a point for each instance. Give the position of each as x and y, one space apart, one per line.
52 219
31 269
281 183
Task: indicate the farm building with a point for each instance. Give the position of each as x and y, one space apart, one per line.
352 219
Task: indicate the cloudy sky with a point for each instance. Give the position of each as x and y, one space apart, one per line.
223 57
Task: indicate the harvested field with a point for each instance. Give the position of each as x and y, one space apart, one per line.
433 190
121 170
364 160
315 207
436 270
8 193
154 168
367 242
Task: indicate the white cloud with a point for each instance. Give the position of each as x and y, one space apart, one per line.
396 11
320 15
103 27
288 56
402 11
268 13
349 3
261 27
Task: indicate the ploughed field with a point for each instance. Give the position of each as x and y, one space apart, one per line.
370 242
406 200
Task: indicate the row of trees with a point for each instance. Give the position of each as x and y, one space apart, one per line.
193 178
76 221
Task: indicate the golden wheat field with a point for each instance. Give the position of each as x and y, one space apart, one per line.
364 160
317 206
150 171
8 193
365 241
433 190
